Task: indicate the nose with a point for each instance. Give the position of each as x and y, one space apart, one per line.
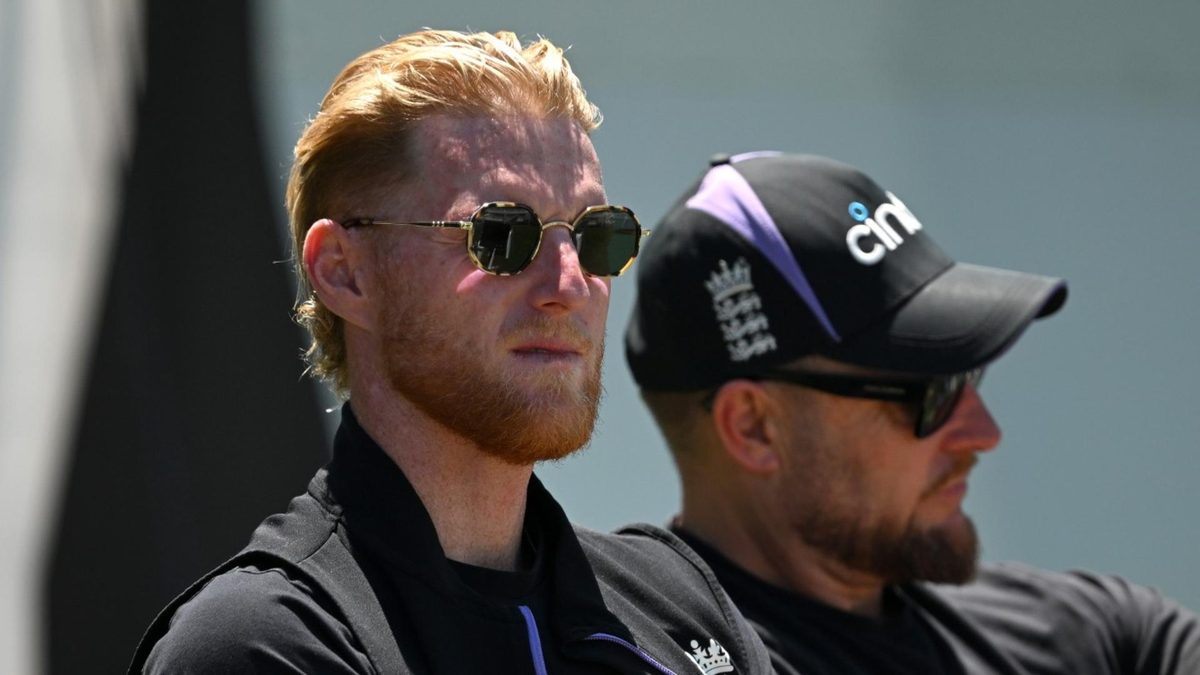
560 285
971 428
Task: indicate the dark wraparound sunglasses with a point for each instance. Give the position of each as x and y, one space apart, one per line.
932 398
504 237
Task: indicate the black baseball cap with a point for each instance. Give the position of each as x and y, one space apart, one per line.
769 257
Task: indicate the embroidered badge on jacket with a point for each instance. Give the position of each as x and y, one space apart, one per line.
710 660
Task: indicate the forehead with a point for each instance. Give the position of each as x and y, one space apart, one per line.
548 163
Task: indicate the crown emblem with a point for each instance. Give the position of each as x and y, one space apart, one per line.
729 308
738 309
710 660
727 281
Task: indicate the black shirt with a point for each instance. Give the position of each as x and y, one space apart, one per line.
810 637
458 618
523 589
635 602
1012 619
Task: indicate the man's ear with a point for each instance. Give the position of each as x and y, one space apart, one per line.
336 270
744 423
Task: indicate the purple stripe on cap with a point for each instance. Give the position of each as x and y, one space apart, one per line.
752 155
725 195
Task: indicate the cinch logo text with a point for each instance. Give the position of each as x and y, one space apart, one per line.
879 230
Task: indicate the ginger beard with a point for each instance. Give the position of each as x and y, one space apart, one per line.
520 418
833 515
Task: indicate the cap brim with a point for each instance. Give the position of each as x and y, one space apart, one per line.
962 319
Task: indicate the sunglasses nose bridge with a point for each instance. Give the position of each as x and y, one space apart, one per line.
569 227
558 223
557 280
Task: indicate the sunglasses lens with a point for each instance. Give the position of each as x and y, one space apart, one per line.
606 240
504 238
942 397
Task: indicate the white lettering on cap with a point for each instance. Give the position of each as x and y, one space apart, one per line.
880 228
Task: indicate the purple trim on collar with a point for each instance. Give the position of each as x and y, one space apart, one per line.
641 653
535 641
725 195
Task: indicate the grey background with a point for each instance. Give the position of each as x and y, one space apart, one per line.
1060 138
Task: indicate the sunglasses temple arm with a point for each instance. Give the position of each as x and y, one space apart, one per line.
453 224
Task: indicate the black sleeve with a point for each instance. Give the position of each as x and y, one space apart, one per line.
1080 622
1153 634
256 621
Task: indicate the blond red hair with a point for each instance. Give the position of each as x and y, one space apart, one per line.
359 140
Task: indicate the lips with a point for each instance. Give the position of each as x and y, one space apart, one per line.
954 482
956 488
549 348
549 351
549 340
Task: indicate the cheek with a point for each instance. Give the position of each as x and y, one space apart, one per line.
907 494
888 482
597 310
601 290
483 300
471 282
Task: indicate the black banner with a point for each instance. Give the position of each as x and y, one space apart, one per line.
194 423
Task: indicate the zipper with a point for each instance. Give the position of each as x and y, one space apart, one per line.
535 642
641 653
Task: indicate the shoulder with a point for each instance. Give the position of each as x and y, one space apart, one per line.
1082 619
648 552
1020 586
634 540
261 620
650 576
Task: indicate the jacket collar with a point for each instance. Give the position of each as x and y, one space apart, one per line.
384 516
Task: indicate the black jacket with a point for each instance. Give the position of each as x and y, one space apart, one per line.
1012 620
353 579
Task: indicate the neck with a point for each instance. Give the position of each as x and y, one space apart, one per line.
476 501
750 537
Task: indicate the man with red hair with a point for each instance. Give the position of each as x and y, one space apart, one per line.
456 248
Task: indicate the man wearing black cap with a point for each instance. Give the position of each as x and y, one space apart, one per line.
813 360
